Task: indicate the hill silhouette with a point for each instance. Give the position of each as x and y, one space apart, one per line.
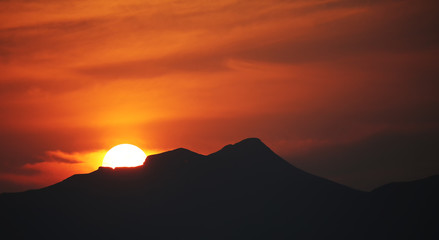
243 191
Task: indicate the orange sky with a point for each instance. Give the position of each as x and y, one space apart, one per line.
343 89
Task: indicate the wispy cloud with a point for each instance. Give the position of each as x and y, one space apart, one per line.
79 75
55 166
75 157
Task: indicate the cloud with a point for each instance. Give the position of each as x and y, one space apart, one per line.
60 156
56 166
150 68
301 75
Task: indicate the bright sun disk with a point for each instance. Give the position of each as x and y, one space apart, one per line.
124 155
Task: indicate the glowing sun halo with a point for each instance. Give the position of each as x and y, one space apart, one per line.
124 155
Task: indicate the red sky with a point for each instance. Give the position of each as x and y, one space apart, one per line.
347 90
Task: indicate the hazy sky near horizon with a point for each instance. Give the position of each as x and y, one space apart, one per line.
344 89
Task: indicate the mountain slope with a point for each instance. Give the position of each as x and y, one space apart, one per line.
242 191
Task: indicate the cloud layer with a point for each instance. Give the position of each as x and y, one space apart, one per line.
316 80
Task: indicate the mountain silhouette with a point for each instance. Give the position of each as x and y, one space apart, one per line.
243 191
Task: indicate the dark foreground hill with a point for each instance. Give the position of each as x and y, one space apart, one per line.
243 191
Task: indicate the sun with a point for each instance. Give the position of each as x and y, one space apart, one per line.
124 155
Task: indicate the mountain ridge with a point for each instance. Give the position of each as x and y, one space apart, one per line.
244 190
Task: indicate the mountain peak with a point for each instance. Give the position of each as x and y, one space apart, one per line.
248 146
172 159
176 153
251 142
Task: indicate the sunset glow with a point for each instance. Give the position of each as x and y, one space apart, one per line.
320 81
124 155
